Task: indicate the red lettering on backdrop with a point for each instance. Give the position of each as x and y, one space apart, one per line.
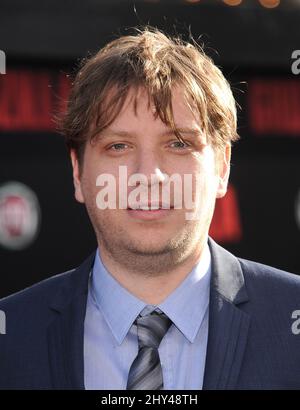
274 107
25 105
8 92
226 223
28 99
63 92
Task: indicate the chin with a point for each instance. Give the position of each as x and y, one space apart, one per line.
150 247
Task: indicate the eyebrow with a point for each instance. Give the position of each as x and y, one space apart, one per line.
123 133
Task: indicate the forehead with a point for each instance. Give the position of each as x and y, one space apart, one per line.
139 111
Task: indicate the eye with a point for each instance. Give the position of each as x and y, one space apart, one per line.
117 147
179 144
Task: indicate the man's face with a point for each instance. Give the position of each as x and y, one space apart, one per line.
145 145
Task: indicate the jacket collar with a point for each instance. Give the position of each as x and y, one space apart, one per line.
228 323
227 279
66 331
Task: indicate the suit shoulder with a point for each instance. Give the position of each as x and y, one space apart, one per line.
39 291
40 294
269 281
259 270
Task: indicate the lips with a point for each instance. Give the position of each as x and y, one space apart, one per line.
150 212
150 207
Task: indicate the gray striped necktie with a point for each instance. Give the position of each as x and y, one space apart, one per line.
145 372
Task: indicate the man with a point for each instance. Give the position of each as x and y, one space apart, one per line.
159 305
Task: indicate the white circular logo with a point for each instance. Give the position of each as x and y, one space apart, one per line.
19 215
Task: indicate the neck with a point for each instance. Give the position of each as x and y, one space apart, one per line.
152 289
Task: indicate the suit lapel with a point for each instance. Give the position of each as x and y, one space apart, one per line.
228 324
66 331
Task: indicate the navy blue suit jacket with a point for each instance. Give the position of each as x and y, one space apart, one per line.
251 344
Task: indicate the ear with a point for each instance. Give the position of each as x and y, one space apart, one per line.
223 159
76 177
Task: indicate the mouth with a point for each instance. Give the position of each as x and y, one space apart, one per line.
150 211
151 207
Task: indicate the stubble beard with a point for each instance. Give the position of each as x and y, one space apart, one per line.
142 258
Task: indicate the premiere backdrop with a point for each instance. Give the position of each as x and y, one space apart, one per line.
43 231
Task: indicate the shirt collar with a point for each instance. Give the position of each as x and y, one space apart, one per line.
118 306
185 306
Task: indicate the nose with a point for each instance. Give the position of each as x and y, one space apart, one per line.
149 163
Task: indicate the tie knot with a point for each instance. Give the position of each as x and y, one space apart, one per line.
152 328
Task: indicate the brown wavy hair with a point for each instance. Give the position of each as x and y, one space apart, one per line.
157 62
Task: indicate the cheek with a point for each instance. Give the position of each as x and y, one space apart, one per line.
205 182
96 168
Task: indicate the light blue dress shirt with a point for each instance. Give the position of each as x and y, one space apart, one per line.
110 340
